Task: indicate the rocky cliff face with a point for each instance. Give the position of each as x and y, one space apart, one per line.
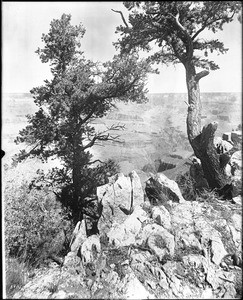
151 245
152 129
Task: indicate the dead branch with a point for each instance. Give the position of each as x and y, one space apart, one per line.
101 136
123 19
94 161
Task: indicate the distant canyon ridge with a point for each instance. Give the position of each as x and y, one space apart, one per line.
153 130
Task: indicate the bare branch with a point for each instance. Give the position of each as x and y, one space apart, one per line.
104 136
95 161
123 19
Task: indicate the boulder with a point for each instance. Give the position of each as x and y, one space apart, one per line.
162 189
222 145
136 290
187 240
195 260
236 170
236 137
236 160
237 200
115 199
90 249
237 221
218 251
161 215
159 240
137 190
126 233
227 136
78 237
221 281
211 238
118 199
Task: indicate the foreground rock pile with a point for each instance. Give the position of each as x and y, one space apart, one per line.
153 245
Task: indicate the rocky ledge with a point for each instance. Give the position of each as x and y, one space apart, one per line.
150 245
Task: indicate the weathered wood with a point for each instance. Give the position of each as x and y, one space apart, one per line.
194 101
205 150
202 141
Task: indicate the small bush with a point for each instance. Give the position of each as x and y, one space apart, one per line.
208 196
155 193
33 218
187 186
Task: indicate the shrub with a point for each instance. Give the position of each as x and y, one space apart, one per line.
187 186
33 218
15 276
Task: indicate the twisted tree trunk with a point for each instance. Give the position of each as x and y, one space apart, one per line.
202 141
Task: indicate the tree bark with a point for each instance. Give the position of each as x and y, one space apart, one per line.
195 106
76 174
211 164
202 141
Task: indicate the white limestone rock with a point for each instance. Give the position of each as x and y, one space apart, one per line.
165 186
78 237
161 215
91 249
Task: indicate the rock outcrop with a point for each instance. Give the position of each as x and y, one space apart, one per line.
161 188
236 170
154 246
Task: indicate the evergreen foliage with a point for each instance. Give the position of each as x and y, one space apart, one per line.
171 33
80 92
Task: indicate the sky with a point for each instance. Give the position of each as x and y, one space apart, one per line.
24 22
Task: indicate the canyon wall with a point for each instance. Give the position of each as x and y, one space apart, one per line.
152 130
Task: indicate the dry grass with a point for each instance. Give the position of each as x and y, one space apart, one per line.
16 274
187 186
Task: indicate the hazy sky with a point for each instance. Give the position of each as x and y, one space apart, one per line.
24 22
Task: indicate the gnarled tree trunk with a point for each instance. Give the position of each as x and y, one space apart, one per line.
202 140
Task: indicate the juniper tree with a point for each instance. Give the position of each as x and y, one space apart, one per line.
175 28
79 92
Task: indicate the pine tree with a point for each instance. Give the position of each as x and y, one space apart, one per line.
170 31
79 92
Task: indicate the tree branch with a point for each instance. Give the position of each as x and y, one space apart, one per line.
94 161
123 19
208 24
103 136
185 37
201 75
178 23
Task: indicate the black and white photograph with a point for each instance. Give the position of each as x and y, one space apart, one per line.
121 150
